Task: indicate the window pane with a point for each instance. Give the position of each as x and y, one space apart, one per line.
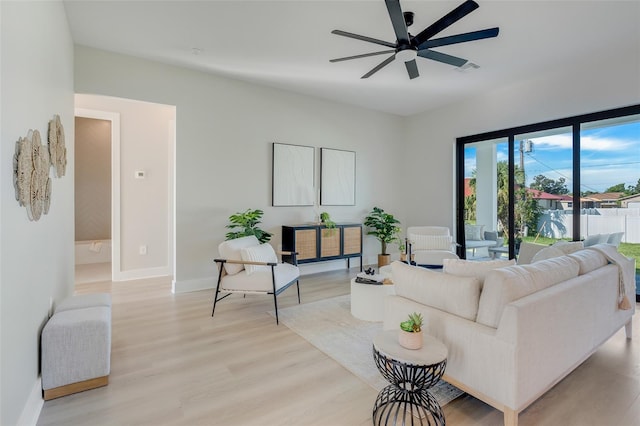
484 236
544 182
609 177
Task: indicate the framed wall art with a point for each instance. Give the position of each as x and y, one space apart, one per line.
292 175
337 177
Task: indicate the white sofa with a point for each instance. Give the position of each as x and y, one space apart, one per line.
514 331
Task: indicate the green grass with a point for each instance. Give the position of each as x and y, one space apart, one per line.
631 250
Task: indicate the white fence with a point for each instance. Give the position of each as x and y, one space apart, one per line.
559 223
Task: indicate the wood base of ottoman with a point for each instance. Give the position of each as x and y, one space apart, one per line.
75 387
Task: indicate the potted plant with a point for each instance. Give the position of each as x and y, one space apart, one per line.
246 223
385 228
328 223
403 251
410 336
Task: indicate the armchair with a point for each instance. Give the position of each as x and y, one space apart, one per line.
477 238
248 267
428 246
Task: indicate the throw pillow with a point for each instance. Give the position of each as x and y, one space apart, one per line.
470 268
491 235
589 260
568 247
547 253
456 295
230 250
261 253
473 232
430 242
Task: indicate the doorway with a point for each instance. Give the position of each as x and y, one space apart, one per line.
97 195
142 184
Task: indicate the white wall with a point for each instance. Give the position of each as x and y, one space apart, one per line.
605 83
223 150
146 144
36 257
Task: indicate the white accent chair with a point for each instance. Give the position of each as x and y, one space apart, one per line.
428 246
248 267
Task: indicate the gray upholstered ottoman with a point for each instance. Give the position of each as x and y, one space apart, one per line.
84 301
76 351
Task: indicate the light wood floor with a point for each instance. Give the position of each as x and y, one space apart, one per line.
172 364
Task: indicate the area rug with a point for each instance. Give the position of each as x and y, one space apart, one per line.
328 325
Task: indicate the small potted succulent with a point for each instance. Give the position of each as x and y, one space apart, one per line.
410 336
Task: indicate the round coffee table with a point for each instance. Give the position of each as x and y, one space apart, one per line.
407 399
367 300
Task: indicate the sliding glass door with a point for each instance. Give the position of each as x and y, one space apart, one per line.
538 182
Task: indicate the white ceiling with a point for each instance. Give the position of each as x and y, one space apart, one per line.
288 44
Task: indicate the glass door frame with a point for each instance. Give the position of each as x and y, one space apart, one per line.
574 122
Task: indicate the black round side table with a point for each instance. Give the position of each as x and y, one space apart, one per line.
407 400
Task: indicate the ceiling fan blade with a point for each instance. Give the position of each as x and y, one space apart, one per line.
460 38
442 57
363 38
380 66
397 20
364 55
455 15
412 69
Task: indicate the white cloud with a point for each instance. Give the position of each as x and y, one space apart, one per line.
587 143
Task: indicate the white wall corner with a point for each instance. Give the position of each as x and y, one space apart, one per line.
33 406
186 286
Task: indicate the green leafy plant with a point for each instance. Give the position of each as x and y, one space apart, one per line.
384 227
413 324
326 220
246 223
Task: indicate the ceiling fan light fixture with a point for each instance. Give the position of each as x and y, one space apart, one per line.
407 55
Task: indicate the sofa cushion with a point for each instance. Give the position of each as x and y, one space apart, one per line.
547 253
589 260
527 251
430 242
473 232
503 286
449 293
230 250
470 268
260 253
568 247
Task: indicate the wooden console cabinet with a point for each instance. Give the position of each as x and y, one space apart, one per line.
316 243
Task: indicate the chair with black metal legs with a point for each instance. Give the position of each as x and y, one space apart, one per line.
248 267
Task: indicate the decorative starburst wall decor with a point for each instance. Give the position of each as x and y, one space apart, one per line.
31 164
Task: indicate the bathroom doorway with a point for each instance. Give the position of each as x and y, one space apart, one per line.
96 140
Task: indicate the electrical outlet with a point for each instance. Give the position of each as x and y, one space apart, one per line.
143 250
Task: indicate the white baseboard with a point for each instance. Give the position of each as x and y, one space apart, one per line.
137 274
33 406
193 285
185 286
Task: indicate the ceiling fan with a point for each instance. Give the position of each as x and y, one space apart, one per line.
407 47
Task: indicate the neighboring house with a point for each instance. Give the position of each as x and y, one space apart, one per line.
547 201
630 201
604 200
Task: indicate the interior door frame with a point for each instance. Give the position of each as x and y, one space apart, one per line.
114 118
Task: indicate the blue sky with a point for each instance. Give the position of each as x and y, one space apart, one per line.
609 156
